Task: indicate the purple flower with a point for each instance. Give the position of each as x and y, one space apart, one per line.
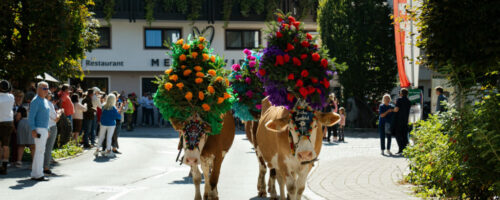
251 63
249 94
329 72
237 77
335 73
248 80
258 106
236 67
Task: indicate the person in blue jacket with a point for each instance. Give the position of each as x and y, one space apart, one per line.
384 124
108 124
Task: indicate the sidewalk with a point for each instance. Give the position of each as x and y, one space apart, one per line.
357 170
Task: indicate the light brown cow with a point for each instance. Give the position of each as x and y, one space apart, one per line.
288 153
209 151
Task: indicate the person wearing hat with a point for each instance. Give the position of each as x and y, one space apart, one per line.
6 123
38 118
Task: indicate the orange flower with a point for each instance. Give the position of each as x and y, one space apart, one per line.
182 57
205 57
183 66
202 39
180 41
211 89
205 107
200 74
201 96
220 100
201 47
173 78
212 58
198 80
194 54
212 72
186 46
187 72
226 95
168 86
197 68
218 79
180 85
168 71
227 81
189 96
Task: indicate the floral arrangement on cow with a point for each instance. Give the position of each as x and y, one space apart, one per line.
292 67
247 87
194 86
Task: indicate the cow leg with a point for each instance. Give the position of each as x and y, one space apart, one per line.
301 180
214 178
291 186
205 166
272 184
281 183
261 181
195 171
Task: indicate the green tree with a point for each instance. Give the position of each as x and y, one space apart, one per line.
461 40
359 33
39 36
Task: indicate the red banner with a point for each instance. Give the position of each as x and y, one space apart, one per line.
399 36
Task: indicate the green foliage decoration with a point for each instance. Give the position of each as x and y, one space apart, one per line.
194 85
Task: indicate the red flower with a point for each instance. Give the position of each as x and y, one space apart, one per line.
296 24
309 36
289 47
291 19
324 63
325 83
304 73
315 57
318 90
291 77
295 40
451 179
285 26
311 89
279 60
303 56
305 43
279 34
296 61
280 19
314 80
262 72
290 97
303 91
287 58
299 83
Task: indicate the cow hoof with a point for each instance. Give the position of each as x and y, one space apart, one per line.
262 194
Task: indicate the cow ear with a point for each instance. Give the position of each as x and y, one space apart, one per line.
328 119
277 126
176 124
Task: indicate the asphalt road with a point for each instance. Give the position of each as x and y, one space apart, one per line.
146 169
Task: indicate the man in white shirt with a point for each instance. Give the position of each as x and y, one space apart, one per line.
6 123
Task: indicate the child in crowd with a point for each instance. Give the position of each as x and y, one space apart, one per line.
341 124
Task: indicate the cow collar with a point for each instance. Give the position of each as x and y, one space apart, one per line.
303 121
193 130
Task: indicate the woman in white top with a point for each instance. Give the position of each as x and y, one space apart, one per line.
77 116
54 116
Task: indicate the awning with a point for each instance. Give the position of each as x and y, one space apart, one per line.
48 77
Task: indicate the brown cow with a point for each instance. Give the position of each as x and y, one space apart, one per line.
288 149
209 151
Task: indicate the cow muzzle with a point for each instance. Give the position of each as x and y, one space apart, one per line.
192 157
305 151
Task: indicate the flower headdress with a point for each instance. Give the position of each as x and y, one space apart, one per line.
194 85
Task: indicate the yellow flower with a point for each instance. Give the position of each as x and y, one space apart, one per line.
168 86
211 89
220 100
226 95
194 54
201 96
183 66
180 85
200 74
202 39
212 58
212 72
189 96
205 57
201 47
218 79
197 68
180 41
186 46
168 71
187 72
182 57
173 77
198 80
205 107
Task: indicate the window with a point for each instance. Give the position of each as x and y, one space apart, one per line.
154 38
104 37
148 86
242 39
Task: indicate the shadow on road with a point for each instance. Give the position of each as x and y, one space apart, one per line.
187 180
21 184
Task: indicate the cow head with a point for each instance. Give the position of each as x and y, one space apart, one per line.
193 133
304 125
